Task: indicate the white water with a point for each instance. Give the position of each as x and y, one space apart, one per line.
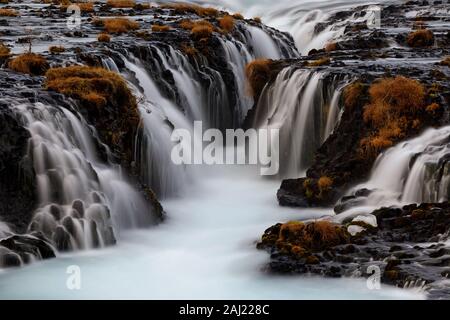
414 171
205 250
79 197
295 104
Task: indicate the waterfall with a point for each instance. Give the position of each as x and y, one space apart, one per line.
413 171
83 203
304 109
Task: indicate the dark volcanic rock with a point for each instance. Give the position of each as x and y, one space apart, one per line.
408 246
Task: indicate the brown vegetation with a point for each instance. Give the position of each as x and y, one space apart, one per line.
121 3
257 73
227 23
158 28
351 94
103 37
4 51
189 50
257 19
238 16
182 8
56 49
445 62
202 30
30 63
120 25
420 38
394 102
331 46
84 6
8 13
320 62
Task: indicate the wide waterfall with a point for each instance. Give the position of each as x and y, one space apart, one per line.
304 109
83 203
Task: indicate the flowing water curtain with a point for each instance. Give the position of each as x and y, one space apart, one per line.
305 106
83 203
198 92
413 171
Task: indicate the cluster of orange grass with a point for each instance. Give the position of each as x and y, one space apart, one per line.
257 19
238 16
121 3
320 62
103 37
56 49
351 94
324 183
189 50
8 13
95 87
30 63
257 73
227 23
84 6
182 8
119 25
394 103
331 46
302 238
159 28
445 62
420 38
4 51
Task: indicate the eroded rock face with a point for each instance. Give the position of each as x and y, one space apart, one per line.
408 245
17 179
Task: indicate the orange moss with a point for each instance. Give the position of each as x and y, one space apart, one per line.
186 24
56 49
432 107
120 25
30 63
420 38
319 62
8 13
227 23
258 73
351 94
202 30
93 86
257 19
84 6
394 103
324 183
104 37
189 50
158 28
4 51
331 46
121 3
238 16
182 8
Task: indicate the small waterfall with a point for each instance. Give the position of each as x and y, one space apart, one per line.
305 109
83 203
413 171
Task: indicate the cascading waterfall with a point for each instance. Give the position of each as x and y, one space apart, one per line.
304 109
198 92
414 171
82 202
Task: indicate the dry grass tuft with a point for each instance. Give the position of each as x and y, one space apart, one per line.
320 62
103 37
4 51
257 19
56 49
119 25
30 63
420 38
238 16
182 8
121 3
227 23
394 102
331 46
8 13
445 62
351 93
158 28
258 73
202 30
